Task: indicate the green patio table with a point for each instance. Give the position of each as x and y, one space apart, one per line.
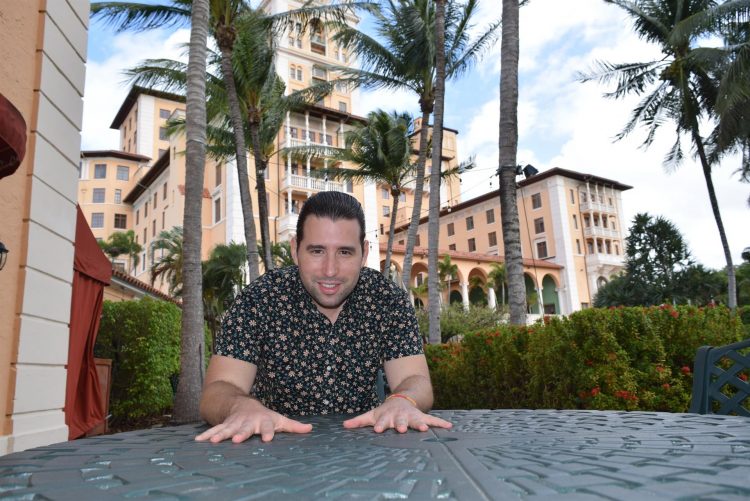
489 454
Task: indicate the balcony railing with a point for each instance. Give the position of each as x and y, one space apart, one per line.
597 207
309 183
601 259
600 232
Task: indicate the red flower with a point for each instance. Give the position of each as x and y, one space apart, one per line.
589 362
665 386
685 369
743 377
659 368
674 314
595 391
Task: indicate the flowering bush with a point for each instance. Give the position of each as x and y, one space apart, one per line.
617 358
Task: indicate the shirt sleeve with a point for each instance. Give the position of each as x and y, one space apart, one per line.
239 337
402 337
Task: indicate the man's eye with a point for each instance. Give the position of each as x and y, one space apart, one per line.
346 252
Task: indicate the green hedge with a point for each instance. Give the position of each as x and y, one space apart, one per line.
142 338
623 358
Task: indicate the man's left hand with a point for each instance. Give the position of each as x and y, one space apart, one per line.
398 414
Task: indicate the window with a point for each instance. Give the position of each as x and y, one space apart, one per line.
492 238
217 209
590 246
536 200
164 113
98 196
293 132
541 250
97 220
572 197
164 191
610 201
451 229
613 224
145 210
163 133
123 172
143 261
153 228
155 199
342 106
617 249
118 196
605 222
575 221
295 72
382 229
417 241
163 216
121 221
145 234
539 225
386 211
472 245
329 139
490 216
578 245
319 74
385 193
470 223
452 247
137 216
299 68
100 171
400 242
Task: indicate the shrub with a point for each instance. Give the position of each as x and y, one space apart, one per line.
142 338
617 358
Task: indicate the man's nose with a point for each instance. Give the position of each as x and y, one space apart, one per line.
330 267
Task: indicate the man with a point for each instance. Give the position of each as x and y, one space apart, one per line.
312 338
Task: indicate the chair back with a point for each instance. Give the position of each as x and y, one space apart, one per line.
720 380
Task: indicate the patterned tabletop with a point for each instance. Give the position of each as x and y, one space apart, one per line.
501 454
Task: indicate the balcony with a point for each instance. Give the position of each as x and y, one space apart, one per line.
309 183
599 232
287 226
598 260
597 207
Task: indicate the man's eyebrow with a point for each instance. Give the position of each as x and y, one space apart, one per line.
314 247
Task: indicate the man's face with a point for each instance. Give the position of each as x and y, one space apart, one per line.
329 258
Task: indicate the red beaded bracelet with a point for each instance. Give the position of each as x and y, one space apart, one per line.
405 397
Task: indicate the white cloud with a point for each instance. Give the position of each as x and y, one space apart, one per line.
106 87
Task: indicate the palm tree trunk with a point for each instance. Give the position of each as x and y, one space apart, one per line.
391 230
416 212
433 226
192 346
731 276
260 182
241 153
508 143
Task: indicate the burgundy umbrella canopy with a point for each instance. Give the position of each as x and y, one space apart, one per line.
12 137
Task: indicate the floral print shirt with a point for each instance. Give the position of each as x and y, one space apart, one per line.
306 365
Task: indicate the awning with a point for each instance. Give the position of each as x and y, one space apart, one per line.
12 137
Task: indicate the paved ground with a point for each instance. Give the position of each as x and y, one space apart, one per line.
487 455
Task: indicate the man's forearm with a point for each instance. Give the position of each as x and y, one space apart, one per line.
221 398
419 389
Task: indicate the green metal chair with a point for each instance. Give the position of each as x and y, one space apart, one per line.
720 383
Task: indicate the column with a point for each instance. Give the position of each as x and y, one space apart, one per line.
288 166
491 298
464 295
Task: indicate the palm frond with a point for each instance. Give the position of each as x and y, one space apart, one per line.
136 16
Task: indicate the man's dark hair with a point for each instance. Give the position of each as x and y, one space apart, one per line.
334 205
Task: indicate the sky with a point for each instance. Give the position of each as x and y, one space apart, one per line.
562 122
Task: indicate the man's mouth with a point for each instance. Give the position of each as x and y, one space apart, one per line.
329 287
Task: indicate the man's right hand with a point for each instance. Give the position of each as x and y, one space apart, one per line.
249 417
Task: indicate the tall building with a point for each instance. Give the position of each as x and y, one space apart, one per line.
571 239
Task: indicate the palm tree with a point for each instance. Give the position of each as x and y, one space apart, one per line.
224 16
433 224
406 60
677 87
169 265
122 242
447 273
497 280
508 149
223 277
380 150
192 339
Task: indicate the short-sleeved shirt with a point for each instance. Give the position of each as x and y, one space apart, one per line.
307 365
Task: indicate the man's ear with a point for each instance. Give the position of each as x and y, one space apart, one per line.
365 251
293 248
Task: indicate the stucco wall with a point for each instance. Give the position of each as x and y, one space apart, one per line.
43 54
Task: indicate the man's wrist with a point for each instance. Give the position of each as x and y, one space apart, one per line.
404 397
